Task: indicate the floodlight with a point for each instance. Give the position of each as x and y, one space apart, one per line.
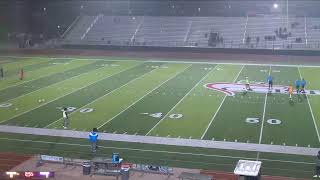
275 5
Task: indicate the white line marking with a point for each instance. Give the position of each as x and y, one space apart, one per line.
25 81
264 113
143 96
314 121
74 58
132 80
47 102
235 63
150 150
177 61
224 98
53 84
180 101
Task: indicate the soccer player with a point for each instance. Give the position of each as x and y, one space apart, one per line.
247 84
270 82
303 84
290 89
93 137
65 118
298 83
21 74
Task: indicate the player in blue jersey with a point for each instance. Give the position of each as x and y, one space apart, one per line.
93 138
298 83
270 82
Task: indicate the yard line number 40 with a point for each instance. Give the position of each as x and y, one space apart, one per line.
159 115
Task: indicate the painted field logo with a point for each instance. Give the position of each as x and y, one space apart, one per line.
231 88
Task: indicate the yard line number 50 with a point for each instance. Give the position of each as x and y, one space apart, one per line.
257 120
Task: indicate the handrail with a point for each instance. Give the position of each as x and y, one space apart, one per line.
71 25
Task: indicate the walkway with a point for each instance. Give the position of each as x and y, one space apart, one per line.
165 141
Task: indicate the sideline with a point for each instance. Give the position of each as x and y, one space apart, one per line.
165 141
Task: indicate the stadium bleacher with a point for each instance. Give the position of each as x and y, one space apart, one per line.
175 31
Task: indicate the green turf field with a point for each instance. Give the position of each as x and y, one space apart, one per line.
167 99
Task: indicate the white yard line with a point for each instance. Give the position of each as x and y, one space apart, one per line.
263 117
47 102
143 97
224 98
180 101
74 58
313 118
25 81
52 84
132 80
238 64
264 113
178 61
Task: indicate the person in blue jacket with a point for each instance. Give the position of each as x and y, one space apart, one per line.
303 84
93 138
270 82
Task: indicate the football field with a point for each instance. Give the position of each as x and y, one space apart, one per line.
187 100
163 99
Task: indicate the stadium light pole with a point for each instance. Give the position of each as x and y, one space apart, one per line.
287 14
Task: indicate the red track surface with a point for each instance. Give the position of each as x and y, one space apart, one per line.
11 160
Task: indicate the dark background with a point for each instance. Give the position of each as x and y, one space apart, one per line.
44 16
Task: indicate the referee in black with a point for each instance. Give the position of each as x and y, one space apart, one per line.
1 72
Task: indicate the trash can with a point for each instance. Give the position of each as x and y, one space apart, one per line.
86 168
124 174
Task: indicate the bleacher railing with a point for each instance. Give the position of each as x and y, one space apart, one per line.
228 44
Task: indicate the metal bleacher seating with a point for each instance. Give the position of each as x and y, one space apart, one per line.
172 31
313 32
163 31
79 28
